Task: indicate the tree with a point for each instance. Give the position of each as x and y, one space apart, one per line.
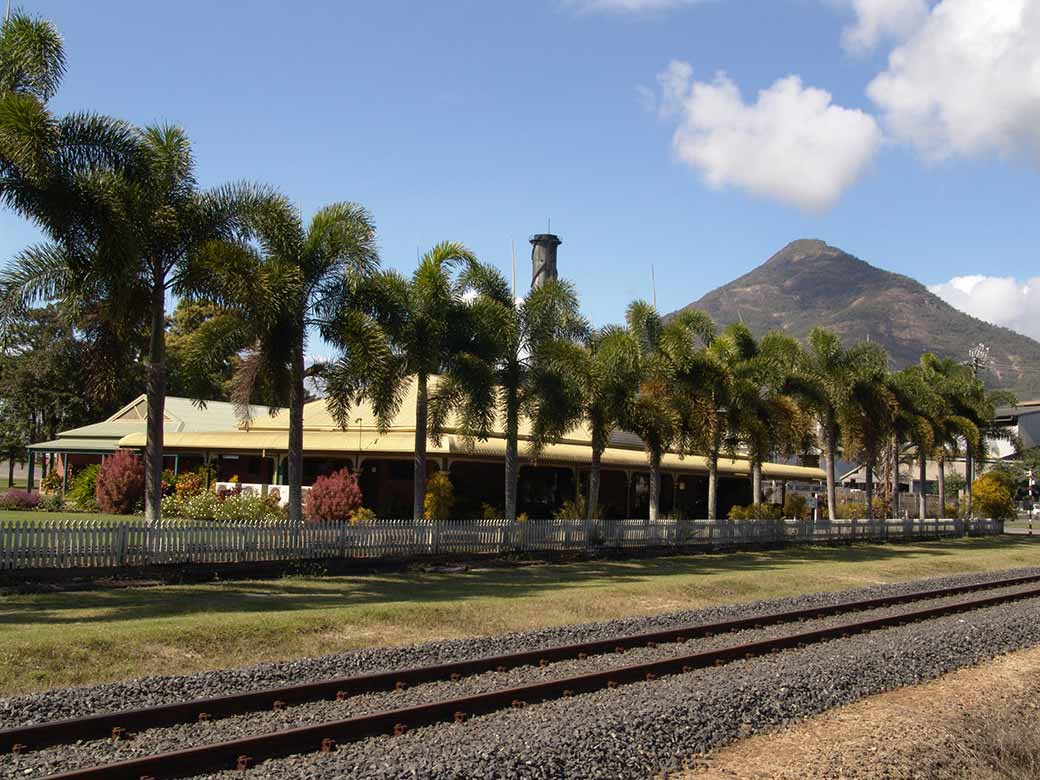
823 382
409 330
667 407
597 376
867 414
46 385
916 420
994 497
143 221
273 292
764 419
524 381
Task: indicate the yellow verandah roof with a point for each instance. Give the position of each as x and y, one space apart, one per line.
269 435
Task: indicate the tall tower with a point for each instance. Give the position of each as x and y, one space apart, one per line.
543 258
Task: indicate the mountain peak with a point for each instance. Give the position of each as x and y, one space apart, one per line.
810 283
804 247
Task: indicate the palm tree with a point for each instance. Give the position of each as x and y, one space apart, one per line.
524 382
596 377
43 156
410 330
765 420
867 414
32 58
291 279
667 409
138 225
823 382
966 415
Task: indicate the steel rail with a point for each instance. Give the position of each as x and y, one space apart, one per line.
245 752
104 725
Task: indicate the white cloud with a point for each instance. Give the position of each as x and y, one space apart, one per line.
793 144
1001 300
879 20
628 6
967 81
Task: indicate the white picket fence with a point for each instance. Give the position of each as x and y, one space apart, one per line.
100 544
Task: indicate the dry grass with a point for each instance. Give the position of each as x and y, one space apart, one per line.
61 639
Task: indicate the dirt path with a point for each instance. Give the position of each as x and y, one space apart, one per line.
981 723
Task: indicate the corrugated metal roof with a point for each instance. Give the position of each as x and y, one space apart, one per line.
79 444
398 443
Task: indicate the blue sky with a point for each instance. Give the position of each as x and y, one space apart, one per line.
480 120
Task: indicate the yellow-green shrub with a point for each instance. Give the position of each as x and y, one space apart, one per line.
440 497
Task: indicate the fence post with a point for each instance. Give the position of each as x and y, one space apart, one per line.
124 539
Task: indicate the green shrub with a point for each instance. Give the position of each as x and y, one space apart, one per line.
738 513
243 509
51 503
83 492
172 506
440 497
362 515
199 507
852 510
51 482
489 512
333 497
120 483
795 506
765 512
572 510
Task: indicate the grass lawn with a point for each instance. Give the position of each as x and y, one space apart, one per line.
61 639
47 517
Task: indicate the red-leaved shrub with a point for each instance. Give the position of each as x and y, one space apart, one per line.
120 483
334 497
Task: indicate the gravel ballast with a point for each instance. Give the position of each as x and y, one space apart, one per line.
595 716
642 730
165 689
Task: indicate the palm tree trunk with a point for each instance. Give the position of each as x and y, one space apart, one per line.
942 482
295 465
156 400
713 484
870 492
655 485
922 473
969 473
756 482
832 495
419 481
512 460
895 477
594 476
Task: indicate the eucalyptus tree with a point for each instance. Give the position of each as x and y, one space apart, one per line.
289 279
408 330
593 380
525 381
138 224
668 408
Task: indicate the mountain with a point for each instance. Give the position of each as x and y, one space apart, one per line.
809 283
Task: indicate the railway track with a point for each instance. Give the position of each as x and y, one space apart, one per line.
247 751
